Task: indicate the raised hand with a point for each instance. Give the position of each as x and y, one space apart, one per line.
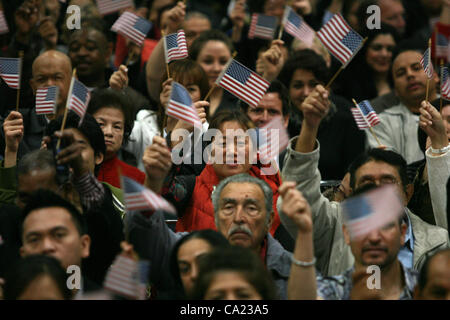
315 107
431 122
296 207
157 159
119 79
71 154
302 7
271 62
48 32
164 96
26 18
175 18
14 130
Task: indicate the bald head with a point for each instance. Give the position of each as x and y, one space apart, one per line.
52 68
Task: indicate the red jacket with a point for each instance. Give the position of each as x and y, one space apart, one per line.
109 172
200 212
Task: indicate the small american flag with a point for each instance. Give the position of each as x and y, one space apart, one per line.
3 25
127 277
79 99
297 27
262 26
273 139
175 47
441 46
139 198
365 116
109 6
341 40
10 71
46 99
445 83
180 106
426 63
242 82
372 210
132 27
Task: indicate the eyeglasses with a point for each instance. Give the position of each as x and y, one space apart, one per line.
382 181
379 47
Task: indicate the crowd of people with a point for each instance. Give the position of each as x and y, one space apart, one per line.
240 231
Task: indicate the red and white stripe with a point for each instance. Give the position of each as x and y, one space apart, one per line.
184 113
109 6
331 35
251 92
122 278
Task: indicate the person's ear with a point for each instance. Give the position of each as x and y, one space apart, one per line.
271 219
85 246
346 234
403 229
409 192
286 121
98 158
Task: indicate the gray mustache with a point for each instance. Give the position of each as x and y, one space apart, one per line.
236 228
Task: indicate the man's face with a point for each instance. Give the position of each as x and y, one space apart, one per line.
52 70
88 51
34 180
51 231
242 215
269 107
274 8
446 118
393 13
438 279
380 247
194 27
87 152
410 80
302 84
112 122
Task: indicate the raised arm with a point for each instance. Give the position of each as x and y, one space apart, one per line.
13 129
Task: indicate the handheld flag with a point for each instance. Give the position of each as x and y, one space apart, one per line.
3 24
10 71
175 47
364 115
340 39
46 99
132 27
180 106
296 26
426 63
79 98
262 26
109 6
445 83
242 82
273 139
372 210
441 46
139 198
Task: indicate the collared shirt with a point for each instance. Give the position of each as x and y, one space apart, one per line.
339 287
406 252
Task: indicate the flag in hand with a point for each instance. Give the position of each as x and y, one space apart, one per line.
180 106
139 198
441 46
364 115
3 24
109 6
273 139
426 63
79 98
132 27
445 83
10 71
372 210
46 99
262 26
242 82
340 39
175 47
296 26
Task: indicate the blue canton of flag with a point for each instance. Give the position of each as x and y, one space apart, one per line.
441 47
341 40
175 47
109 6
79 99
132 27
46 99
180 106
262 26
297 27
10 71
364 115
243 83
445 83
426 63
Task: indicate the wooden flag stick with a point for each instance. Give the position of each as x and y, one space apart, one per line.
429 61
334 77
20 75
440 97
370 128
280 33
167 64
58 144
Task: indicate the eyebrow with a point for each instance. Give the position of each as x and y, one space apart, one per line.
37 233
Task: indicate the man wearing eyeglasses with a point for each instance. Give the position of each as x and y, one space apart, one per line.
374 167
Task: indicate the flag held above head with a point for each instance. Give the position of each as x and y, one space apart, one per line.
445 83
78 99
242 82
180 106
372 210
262 26
340 39
10 70
46 100
175 47
273 139
296 26
426 63
109 6
132 27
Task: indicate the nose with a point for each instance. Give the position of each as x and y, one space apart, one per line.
239 215
47 246
307 91
265 116
217 67
107 130
374 236
194 272
82 51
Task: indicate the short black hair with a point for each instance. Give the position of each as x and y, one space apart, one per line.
109 98
376 154
42 199
305 59
423 272
27 269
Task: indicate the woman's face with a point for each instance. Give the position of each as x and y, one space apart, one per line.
231 150
112 123
188 254
194 91
379 53
212 58
231 285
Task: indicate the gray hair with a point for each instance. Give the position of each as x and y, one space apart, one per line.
40 159
242 178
